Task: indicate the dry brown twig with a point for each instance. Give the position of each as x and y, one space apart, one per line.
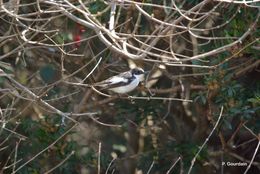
206 141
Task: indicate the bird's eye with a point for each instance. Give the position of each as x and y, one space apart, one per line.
138 72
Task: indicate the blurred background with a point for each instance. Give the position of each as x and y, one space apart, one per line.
197 110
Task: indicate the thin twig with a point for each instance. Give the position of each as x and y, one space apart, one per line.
157 98
104 124
110 164
92 69
15 154
253 157
173 165
60 163
205 142
150 168
99 157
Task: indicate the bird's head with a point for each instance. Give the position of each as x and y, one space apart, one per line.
138 73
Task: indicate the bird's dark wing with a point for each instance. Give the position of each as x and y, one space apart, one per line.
116 81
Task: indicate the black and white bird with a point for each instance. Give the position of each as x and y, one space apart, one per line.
124 82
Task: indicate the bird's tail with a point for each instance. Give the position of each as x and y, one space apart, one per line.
100 84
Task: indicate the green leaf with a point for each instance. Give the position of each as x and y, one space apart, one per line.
227 124
254 100
48 73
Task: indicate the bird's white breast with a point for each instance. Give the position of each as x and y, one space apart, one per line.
125 89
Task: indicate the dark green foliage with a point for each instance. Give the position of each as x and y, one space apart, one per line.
48 73
139 109
41 135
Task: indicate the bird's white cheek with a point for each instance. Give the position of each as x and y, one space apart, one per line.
140 77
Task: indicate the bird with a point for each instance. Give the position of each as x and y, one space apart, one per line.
124 82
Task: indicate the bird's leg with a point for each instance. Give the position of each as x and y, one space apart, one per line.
148 89
131 98
150 92
125 96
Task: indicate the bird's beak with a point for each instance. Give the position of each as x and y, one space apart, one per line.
146 72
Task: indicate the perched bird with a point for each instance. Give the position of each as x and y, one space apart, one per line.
124 82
